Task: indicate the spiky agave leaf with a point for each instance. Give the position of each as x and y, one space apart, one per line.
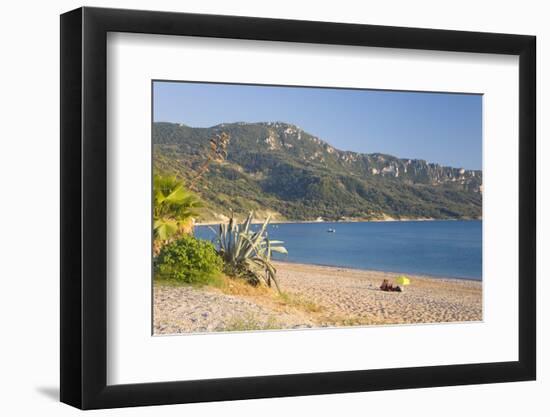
245 250
279 249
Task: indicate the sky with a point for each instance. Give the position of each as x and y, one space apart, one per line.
438 127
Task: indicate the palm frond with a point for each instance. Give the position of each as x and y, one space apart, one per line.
174 207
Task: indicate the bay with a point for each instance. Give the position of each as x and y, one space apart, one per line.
450 249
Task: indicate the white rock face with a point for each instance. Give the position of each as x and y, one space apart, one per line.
348 157
272 142
316 155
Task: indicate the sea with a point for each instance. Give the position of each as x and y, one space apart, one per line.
439 248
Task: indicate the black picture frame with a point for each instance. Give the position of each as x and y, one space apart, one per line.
84 207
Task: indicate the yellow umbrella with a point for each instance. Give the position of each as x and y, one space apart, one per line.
403 280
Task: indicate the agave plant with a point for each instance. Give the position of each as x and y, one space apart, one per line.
247 253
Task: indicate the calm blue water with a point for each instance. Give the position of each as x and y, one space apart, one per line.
438 248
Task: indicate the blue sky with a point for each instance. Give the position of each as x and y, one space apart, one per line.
437 127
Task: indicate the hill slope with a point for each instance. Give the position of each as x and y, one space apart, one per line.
278 168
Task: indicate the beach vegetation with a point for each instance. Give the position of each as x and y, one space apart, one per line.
262 294
300 302
190 261
174 208
351 320
247 253
240 287
250 322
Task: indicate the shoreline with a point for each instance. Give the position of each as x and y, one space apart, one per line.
381 271
391 220
315 297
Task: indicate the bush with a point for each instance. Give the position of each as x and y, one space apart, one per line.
189 260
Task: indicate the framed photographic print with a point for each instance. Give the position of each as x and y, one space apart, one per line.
257 208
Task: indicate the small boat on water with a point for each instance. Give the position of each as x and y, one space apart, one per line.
331 230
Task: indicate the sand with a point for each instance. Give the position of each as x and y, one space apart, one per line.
321 297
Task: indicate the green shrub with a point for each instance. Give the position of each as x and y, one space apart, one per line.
189 260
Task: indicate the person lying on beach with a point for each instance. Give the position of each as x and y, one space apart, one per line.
388 286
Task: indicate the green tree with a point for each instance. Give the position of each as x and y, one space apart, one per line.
174 208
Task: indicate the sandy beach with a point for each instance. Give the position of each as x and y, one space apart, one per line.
315 296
